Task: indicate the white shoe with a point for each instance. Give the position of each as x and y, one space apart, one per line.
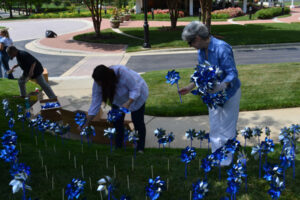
228 161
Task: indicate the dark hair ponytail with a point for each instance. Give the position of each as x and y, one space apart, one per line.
108 80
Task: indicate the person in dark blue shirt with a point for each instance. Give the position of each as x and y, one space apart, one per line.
32 69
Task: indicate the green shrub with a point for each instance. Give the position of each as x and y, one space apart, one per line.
270 13
66 15
220 16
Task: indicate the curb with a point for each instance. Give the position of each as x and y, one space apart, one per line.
36 46
39 48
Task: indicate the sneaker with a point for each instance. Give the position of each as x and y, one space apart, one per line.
140 151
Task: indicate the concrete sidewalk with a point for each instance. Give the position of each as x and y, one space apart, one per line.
78 91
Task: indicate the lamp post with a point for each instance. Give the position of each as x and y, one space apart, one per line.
146 27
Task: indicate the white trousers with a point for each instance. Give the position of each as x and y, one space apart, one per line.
223 120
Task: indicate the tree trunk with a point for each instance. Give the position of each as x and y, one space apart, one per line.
26 9
208 15
206 6
96 14
173 10
10 11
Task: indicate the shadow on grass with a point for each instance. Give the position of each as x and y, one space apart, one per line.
232 34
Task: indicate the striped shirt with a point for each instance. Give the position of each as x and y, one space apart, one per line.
130 85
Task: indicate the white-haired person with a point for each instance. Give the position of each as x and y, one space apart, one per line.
222 120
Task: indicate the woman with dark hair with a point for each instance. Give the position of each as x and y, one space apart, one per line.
122 87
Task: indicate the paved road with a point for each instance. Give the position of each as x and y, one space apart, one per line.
146 63
56 65
36 28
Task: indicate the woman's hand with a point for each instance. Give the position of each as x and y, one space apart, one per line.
183 91
127 103
186 89
219 87
10 71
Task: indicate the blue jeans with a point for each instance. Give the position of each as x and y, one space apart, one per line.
137 118
4 63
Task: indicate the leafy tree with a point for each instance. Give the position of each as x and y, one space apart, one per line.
173 6
95 6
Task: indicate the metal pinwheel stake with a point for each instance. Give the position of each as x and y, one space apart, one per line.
80 120
110 133
134 137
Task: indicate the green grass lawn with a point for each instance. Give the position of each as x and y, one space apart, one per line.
62 170
254 17
165 38
264 86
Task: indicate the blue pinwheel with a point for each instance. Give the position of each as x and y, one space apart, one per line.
235 175
199 189
49 105
155 188
267 131
256 132
114 115
187 155
190 134
105 184
173 77
200 135
247 134
75 189
80 118
134 137
206 77
19 182
88 131
160 134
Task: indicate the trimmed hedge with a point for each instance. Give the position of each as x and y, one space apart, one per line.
220 16
65 15
270 13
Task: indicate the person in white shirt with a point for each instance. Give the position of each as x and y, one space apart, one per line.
5 42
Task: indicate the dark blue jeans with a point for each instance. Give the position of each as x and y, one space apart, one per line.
137 118
5 60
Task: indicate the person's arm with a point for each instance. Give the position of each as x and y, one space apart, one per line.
89 118
95 104
132 85
12 69
1 46
186 89
228 65
31 70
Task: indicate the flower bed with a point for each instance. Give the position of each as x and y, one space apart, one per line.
232 12
166 11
